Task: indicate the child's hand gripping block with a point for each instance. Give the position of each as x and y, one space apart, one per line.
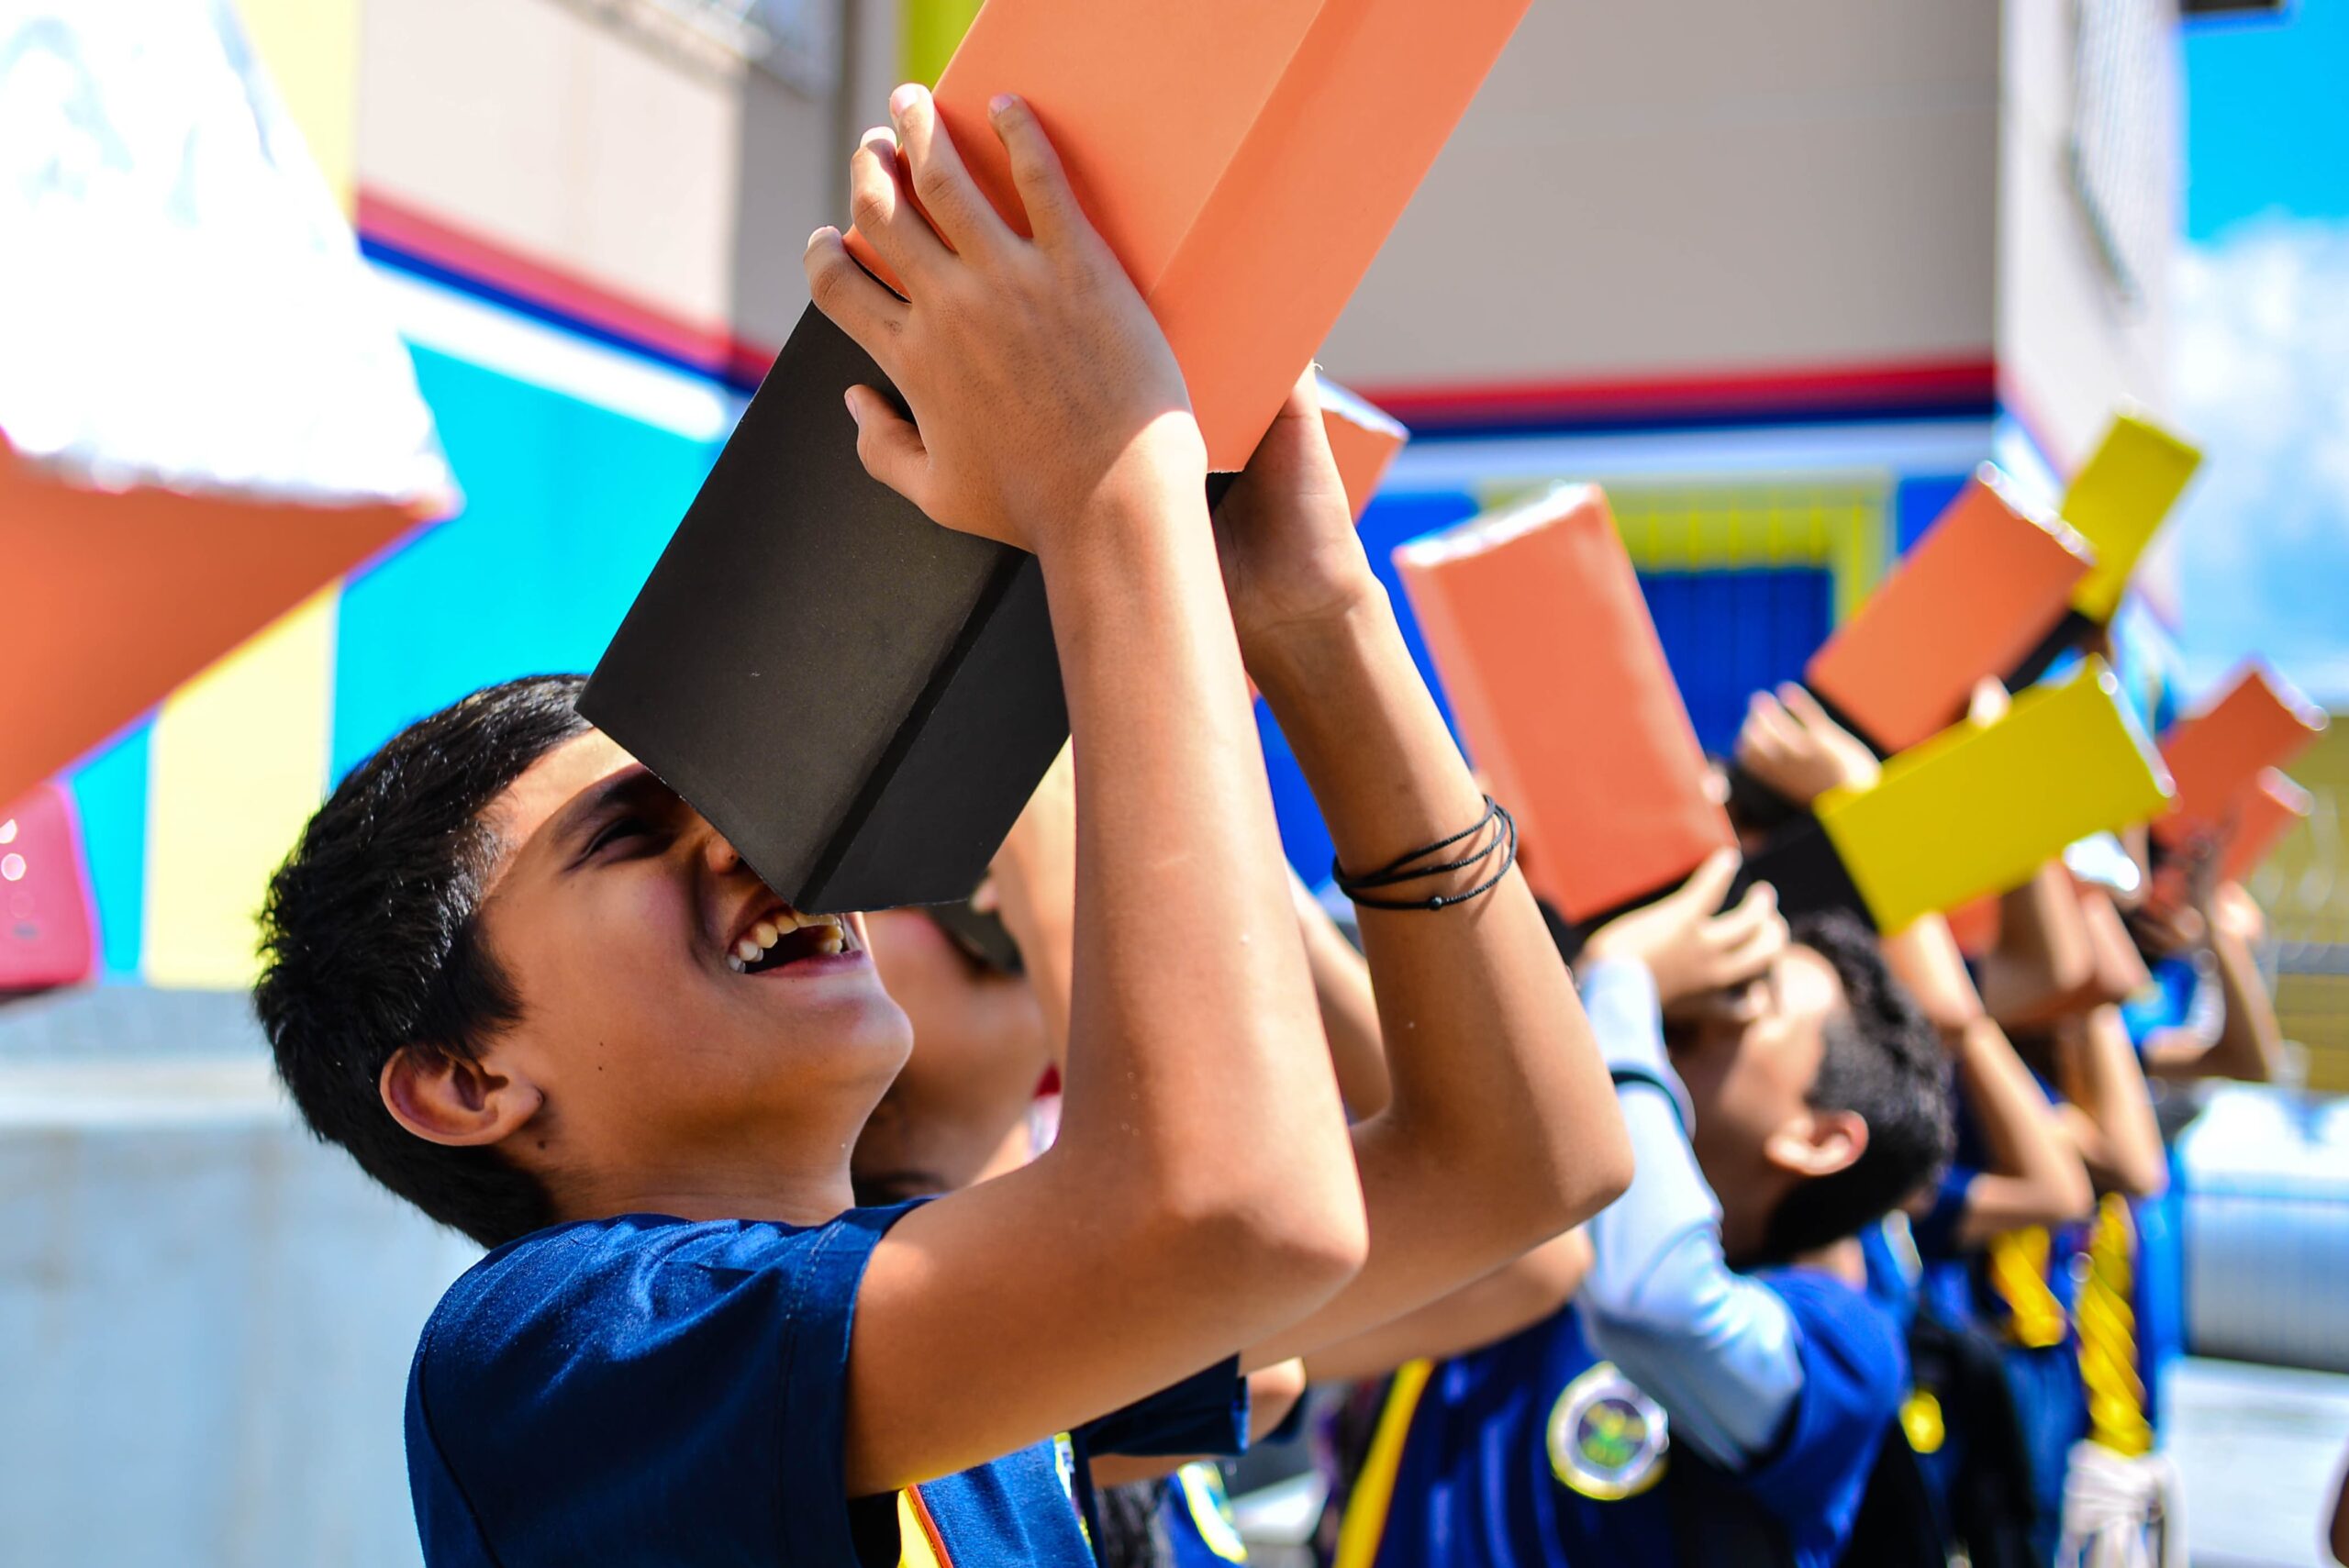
861 701
1536 622
2270 809
2217 755
1364 439
1976 594
1244 159
1979 808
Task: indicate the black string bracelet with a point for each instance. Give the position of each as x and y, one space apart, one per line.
1390 871
1401 870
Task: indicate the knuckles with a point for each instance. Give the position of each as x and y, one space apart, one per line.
870 206
937 187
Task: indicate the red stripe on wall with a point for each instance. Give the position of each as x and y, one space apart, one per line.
558 289
1776 390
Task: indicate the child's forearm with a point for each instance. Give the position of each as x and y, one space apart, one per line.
2110 1112
1190 988
2042 953
1349 1008
1925 959
1502 1128
2033 1175
1518 1294
2251 1043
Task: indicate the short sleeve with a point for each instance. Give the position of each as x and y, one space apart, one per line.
1854 1370
643 1390
1204 1414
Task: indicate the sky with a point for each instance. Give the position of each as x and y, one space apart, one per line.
2260 347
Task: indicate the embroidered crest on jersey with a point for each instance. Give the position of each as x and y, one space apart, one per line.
1606 1439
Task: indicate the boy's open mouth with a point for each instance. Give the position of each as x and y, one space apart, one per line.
784 937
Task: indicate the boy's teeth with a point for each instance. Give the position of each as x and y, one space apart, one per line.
736 964
765 933
748 950
830 941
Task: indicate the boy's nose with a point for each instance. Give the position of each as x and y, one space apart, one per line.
720 853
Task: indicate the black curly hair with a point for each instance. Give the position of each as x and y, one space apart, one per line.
371 942
1883 1060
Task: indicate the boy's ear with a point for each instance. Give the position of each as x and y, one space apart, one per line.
444 1098
1819 1142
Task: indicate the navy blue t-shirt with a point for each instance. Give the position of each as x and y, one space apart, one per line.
1534 1454
653 1390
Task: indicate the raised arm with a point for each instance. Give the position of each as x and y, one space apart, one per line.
2108 1112
1516 1296
2043 959
1348 1007
2246 1042
1500 1130
1200 1194
2033 1175
1718 1350
1033 883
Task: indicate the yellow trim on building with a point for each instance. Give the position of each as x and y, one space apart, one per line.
1839 521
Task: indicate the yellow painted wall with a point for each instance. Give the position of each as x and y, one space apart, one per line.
236 764
238 756
311 51
927 32
2304 888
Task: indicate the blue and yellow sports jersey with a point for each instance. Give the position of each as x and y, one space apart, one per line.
646 1389
1200 1531
1535 1453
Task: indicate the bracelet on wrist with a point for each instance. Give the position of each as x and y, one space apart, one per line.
1422 863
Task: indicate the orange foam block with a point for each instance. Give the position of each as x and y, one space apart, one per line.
1244 159
2268 810
1974 597
1559 683
122 596
1364 439
2216 756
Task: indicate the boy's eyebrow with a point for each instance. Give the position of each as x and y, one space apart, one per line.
582 809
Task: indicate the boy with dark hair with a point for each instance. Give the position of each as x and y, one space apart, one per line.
1720 1389
551 972
2014 1171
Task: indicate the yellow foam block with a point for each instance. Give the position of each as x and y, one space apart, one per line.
2119 498
1978 808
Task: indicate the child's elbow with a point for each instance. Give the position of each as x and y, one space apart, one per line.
1589 1174
2144 1177
1299 1242
1612 1168
2071 1195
